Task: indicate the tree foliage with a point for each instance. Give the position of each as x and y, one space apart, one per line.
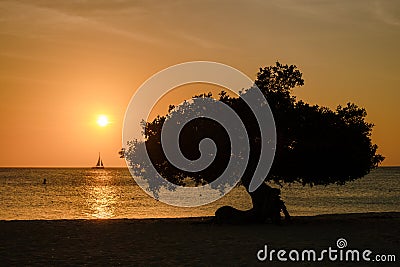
315 145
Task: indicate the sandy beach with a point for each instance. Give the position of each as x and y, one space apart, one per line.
190 241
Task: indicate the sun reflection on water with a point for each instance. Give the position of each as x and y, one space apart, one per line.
101 196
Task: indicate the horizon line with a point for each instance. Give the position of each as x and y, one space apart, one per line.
58 167
89 167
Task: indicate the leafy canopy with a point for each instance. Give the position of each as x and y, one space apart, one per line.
315 145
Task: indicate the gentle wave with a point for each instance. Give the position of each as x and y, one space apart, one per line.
78 193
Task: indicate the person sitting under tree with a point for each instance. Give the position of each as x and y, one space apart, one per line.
267 204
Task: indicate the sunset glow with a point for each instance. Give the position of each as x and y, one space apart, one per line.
64 62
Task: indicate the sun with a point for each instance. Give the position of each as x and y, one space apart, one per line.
102 121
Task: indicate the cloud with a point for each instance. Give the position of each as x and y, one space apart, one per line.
145 22
42 20
383 14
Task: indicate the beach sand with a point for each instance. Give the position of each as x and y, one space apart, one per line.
191 241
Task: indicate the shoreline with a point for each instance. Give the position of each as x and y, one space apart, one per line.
189 241
330 216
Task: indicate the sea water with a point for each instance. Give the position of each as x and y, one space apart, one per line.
79 193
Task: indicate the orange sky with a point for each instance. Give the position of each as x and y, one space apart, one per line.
62 63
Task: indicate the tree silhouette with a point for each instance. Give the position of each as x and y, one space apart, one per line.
315 145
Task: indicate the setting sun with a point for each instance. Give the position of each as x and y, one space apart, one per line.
102 121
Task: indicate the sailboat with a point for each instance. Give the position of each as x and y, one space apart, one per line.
99 164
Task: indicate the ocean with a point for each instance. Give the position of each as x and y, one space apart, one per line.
82 193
